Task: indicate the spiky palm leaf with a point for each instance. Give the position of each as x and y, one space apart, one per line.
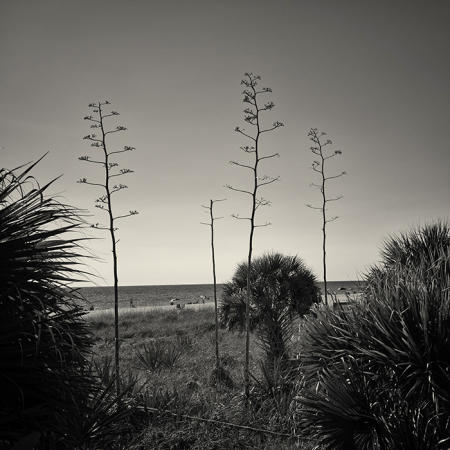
100 419
344 408
398 338
421 246
424 249
43 338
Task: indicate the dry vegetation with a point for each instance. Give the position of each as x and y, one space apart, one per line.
183 384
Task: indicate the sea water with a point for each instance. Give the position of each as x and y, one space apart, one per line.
102 297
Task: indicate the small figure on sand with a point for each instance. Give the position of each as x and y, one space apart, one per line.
132 305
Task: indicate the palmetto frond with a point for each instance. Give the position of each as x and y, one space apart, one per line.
396 342
422 245
277 282
99 419
343 414
43 338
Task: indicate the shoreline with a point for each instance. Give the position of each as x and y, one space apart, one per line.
339 298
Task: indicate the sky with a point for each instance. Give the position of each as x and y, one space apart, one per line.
372 74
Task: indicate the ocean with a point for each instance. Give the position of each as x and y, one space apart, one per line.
102 297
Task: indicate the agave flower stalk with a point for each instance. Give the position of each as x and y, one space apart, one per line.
253 117
105 202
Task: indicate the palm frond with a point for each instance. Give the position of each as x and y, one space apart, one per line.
395 343
43 339
277 281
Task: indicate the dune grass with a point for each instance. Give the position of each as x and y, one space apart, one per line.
192 331
171 354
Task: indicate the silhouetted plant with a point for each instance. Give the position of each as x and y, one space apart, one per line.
376 375
104 202
100 419
318 165
43 337
253 116
420 249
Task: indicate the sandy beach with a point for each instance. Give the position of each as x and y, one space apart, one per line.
341 298
139 309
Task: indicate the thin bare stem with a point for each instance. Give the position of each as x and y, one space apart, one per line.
238 190
216 316
318 166
242 165
272 180
275 155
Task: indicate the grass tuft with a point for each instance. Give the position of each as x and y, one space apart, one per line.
158 354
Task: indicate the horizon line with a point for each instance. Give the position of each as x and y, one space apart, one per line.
195 284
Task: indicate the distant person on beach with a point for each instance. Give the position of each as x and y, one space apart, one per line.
132 304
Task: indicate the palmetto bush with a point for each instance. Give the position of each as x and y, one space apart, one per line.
283 289
278 283
42 336
376 376
45 382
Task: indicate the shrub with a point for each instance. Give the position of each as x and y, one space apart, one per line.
101 419
50 396
43 337
277 281
158 354
282 289
104 370
376 375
